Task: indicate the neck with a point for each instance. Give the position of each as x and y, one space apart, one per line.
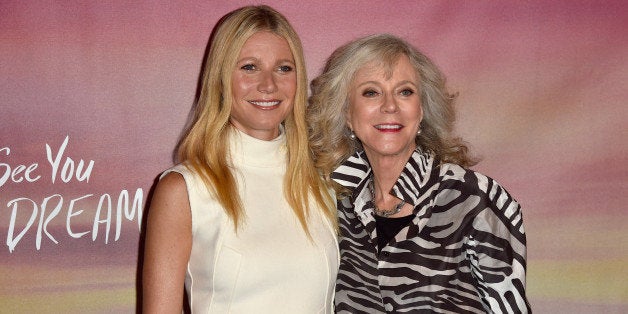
386 171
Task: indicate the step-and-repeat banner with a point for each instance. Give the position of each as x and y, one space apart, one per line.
95 94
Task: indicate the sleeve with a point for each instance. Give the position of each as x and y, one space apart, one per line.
497 250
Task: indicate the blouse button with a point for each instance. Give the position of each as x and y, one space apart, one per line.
388 307
385 254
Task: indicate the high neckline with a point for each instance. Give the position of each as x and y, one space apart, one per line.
252 151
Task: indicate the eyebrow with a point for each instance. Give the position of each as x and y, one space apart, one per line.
257 60
409 82
400 83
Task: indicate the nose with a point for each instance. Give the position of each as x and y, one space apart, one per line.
390 104
267 82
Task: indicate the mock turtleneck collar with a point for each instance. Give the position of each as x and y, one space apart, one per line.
251 151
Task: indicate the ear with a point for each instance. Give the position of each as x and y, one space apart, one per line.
348 120
420 116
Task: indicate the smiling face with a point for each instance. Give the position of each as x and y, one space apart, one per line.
264 84
385 110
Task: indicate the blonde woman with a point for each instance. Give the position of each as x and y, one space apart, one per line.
244 222
419 231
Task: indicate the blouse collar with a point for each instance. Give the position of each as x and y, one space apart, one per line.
355 172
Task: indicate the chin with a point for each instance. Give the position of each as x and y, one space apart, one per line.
389 151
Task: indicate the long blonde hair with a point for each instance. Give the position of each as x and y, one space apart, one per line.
204 148
329 134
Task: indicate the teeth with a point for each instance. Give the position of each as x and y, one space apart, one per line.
388 126
265 103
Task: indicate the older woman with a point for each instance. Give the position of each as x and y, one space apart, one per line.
418 230
244 222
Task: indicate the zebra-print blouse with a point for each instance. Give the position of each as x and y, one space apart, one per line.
464 252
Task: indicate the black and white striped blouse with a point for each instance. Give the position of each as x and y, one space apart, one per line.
463 252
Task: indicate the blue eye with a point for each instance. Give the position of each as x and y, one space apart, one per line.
248 67
285 68
407 92
369 93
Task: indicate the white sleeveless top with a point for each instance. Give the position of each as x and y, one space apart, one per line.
269 266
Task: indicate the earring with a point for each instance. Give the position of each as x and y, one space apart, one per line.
418 132
352 136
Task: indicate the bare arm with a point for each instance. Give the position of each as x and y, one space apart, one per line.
167 247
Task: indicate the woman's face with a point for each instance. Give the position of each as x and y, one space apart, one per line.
264 83
385 110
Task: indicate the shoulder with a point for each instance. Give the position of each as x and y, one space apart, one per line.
171 193
182 191
170 199
184 178
171 183
469 181
169 211
174 181
497 208
181 170
480 191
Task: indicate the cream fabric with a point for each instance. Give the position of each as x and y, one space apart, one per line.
269 266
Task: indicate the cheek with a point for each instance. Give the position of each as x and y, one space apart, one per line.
241 84
419 105
419 113
414 110
359 118
288 85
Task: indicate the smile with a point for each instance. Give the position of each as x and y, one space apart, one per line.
266 105
389 127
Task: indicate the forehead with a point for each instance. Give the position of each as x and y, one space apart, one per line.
266 43
377 70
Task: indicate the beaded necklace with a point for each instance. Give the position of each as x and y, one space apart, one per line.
384 212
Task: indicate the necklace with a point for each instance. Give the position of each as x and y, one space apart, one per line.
384 212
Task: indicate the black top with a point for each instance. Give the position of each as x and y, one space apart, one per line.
387 228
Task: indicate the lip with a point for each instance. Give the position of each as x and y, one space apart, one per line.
265 104
388 127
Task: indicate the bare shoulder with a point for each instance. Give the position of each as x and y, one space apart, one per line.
170 201
173 185
171 189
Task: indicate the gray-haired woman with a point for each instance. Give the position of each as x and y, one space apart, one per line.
418 230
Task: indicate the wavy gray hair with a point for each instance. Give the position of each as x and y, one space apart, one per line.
328 104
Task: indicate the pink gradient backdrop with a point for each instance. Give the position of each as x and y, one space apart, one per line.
543 99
